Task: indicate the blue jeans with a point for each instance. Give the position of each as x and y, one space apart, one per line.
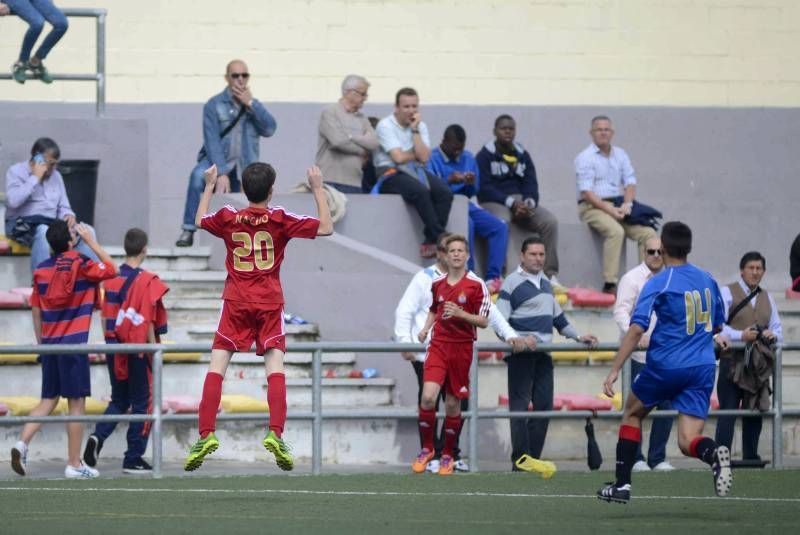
134 394
196 186
40 249
495 230
659 431
35 13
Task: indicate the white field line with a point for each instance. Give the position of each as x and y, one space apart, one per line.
386 493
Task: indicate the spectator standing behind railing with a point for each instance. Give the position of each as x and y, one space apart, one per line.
405 147
346 137
35 13
133 313
35 197
233 121
64 293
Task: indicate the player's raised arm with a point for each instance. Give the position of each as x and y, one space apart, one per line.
210 176
324 213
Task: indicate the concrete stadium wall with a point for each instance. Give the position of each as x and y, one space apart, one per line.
536 52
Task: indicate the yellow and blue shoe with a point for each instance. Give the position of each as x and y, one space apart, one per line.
199 450
280 449
531 464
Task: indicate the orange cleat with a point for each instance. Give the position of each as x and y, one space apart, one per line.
421 462
446 465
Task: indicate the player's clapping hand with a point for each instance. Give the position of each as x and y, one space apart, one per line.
210 176
315 178
422 336
608 384
452 310
589 339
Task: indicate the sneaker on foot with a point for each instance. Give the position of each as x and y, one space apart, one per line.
19 458
641 466
422 460
461 466
186 239
92 450
494 285
611 493
664 466
40 72
723 476
18 72
80 472
427 250
433 466
531 464
199 450
280 449
137 467
446 465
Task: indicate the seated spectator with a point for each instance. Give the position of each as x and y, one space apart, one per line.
346 138
400 166
35 13
603 174
509 189
794 264
64 292
450 162
35 197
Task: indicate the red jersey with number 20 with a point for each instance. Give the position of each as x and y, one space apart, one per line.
255 239
470 294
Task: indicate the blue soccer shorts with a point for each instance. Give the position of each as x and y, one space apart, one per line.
66 376
687 389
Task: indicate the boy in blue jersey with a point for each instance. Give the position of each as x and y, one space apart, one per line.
680 363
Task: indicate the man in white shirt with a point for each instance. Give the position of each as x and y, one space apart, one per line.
410 315
605 175
630 286
405 147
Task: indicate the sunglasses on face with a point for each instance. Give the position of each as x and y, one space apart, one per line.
654 252
236 75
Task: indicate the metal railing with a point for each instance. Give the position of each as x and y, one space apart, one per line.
100 76
317 415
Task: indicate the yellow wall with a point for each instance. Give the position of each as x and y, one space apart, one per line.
539 52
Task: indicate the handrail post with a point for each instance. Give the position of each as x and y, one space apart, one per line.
158 360
101 64
473 408
777 405
316 409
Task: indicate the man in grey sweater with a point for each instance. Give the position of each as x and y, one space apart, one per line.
346 139
526 300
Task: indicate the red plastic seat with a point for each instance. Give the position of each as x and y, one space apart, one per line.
791 294
502 401
12 300
587 297
3 409
182 404
583 402
5 247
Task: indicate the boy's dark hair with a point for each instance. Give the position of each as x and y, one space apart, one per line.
404 91
441 241
44 145
531 240
676 239
752 256
503 117
257 181
455 131
135 241
58 236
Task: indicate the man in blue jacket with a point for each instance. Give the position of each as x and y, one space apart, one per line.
232 123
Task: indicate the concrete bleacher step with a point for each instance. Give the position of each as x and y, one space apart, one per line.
192 284
168 258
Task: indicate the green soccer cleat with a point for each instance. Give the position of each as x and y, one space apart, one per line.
200 449
280 449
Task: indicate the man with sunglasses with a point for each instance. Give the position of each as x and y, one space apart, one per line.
630 285
233 121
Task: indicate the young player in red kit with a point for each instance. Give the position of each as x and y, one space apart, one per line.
460 304
252 311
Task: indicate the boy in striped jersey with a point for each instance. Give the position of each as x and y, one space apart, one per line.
64 293
460 304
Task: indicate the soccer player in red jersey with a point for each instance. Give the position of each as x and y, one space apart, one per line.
460 304
252 310
64 293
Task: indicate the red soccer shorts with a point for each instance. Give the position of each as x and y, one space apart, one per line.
447 364
241 324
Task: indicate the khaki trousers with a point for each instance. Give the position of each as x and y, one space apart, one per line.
613 233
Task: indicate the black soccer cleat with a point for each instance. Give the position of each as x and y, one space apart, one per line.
723 475
92 450
612 493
